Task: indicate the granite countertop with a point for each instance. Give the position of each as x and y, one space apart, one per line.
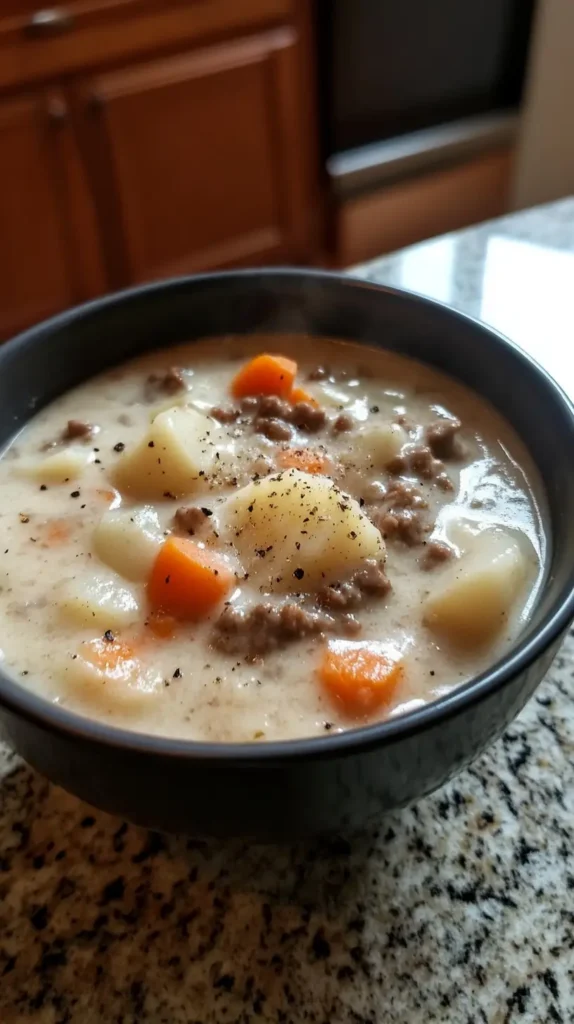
460 909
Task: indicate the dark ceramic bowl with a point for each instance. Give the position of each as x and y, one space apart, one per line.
298 787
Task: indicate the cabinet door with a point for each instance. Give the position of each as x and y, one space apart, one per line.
44 263
198 160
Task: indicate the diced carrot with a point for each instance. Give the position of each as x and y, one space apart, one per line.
110 656
360 676
304 459
57 531
187 581
265 375
112 497
300 395
161 625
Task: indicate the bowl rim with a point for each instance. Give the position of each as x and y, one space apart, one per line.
23 702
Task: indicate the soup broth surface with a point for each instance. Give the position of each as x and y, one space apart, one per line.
187 553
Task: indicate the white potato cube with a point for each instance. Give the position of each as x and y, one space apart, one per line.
379 442
60 467
128 540
107 673
180 443
476 594
100 601
295 531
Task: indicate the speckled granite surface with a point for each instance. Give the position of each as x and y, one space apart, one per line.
460 909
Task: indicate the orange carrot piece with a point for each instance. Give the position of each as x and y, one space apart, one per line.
107 495
265 375
304 459
57 531
161 625
110 656
360 676
300 395
187 581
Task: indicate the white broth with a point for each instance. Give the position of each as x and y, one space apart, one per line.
194 548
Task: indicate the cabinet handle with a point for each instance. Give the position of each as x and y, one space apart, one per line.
49 21
57 110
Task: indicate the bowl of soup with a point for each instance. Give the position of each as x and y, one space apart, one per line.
281 550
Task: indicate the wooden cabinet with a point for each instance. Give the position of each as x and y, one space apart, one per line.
44 264
196 161
149 138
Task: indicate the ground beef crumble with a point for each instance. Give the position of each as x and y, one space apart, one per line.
308 417
370 581
436 553
418 460
191 519
406 525
268 627
274 430
167 382
402 516
224 413
443 440
76 429
343 422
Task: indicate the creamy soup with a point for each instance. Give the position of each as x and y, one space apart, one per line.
257 539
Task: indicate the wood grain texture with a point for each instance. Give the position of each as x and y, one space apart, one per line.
104 32
198 160
48 258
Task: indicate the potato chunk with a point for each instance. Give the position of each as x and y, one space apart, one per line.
128 540
100 601
108 673
294 531
379 442
60 467
180 443
477 593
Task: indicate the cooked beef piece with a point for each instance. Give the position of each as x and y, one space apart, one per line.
340 596
372 578
274 407
308 417
270 409
443 440
224 413
416 459
249 404
370 581
319 373
190 518
374 491
168 382
444 482
406 524
266 627
402 495
348 625
343 423
77 429
275 430
435 554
